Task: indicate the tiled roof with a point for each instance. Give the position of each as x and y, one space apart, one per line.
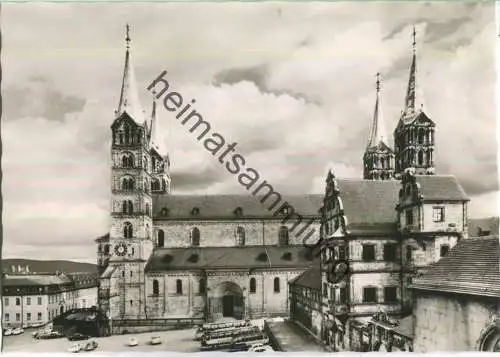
471 267
164 259
370 204
311 278
84 280
109 271
224 206
103 238
35 280
441 187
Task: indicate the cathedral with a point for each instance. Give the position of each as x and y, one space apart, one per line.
206 257
202 258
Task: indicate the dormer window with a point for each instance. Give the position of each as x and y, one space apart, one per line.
164 211
286 256
193 258
195 211
238 211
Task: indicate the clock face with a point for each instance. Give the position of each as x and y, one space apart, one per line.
336 271
121 249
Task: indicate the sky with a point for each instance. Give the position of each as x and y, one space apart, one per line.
292 83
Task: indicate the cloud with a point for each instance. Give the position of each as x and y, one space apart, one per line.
259 76
37 98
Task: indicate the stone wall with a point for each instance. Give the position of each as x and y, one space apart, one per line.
450 322
223 233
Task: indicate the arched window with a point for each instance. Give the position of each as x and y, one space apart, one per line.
161 238
253 286
127 230
153 164
155 185
382 162
127 135
148 211
421 136
240 236
178 286
195 237
283 235
128 160
420 158
201 287
156 287
127 183
276 285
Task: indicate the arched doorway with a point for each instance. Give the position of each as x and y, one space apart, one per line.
61 310
226 300
490 338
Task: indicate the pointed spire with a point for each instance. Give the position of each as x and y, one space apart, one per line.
129 97
412 93
156 137
378 133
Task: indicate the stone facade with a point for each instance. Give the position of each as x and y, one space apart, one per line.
305 301
457 301
30 299
454 322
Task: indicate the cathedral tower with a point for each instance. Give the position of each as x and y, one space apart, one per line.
414 134
378 160
131 241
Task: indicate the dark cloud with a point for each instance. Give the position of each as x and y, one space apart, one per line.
37 99
467 173
257 75
185 180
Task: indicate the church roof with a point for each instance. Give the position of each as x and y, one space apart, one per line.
471 267
246 257
370 205
311 278
226 206
157 139
378 134
441 188
129 96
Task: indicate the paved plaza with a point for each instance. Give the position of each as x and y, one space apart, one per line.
176 340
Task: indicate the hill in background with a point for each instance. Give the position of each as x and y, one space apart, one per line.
48 266
483 226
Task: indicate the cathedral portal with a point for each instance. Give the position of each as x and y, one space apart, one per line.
226 300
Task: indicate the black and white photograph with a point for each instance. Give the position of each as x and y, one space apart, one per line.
249 177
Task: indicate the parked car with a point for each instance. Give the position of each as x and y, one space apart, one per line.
91 345
17 331
259 347
7 332
132 342
78 337
50 335
77 347
155 340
